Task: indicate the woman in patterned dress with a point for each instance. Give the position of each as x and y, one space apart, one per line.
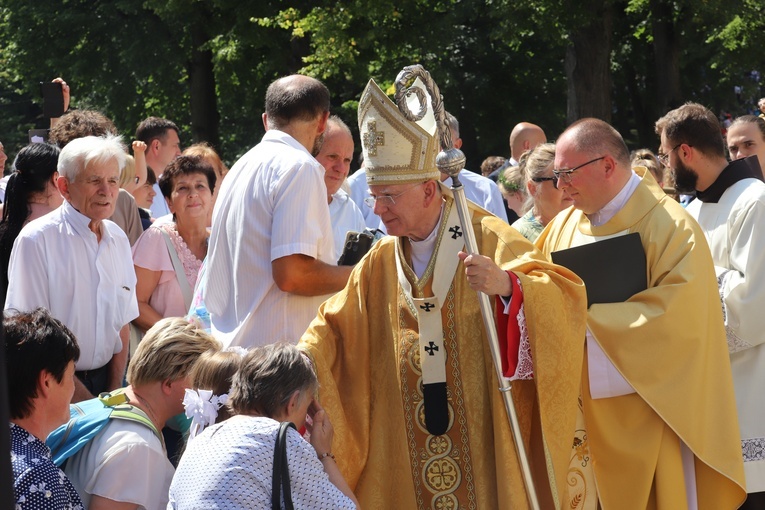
187 184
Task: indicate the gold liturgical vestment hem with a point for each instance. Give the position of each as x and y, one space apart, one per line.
364 344
669 343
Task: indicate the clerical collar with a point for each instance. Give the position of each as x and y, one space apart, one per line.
746 168
422 250
608 211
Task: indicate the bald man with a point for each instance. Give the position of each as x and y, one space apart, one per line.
335 156
524 137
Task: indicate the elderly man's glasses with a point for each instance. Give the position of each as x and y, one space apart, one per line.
386 200
543 179
565 174
664 158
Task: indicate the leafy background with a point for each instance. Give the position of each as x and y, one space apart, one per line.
206 64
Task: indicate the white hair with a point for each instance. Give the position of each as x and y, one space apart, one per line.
81 152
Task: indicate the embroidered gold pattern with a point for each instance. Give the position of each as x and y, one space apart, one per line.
373 139
441 465
580 476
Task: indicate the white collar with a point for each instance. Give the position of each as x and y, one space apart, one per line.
80 223
274 135
422 250
604 215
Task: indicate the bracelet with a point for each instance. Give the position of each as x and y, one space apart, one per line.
325 455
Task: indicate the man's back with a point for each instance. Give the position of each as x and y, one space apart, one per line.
272 204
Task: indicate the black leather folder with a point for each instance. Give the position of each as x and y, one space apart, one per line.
613 270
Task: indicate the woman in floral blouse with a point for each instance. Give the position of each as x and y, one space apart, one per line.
187 184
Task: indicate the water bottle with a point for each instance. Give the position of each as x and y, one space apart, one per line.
203 316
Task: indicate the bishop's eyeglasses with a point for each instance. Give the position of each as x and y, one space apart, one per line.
386 200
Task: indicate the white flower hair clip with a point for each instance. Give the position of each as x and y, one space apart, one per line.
237 349
202 407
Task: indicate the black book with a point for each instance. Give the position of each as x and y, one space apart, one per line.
613 270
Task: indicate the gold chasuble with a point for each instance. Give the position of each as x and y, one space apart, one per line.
668 342
364 344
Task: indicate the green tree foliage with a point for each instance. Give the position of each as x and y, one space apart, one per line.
206 63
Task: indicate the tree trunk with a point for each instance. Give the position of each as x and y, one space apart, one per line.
588 65
666 44
205 119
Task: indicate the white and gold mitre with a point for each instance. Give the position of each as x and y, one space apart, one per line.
396 150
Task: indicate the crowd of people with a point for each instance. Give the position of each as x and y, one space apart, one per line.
201 320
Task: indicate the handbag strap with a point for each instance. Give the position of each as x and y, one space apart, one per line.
280 482
180 273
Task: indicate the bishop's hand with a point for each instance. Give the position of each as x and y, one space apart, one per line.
485 276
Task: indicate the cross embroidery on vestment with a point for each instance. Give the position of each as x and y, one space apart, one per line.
373 139
455 230
427 306
431 348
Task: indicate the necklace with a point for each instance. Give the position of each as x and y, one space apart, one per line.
146 407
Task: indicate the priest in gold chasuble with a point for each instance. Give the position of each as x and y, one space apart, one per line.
657 391
404 367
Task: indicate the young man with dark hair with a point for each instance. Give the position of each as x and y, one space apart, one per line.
40 353
730 207
746 137
163 144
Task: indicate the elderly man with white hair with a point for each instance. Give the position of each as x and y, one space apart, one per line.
77 264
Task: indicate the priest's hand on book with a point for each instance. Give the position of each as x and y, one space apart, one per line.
485 276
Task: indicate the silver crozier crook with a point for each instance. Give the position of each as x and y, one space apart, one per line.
450 161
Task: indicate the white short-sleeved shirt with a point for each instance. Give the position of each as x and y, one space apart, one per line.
359 191
58 264
230 467
346 217
273 203
159 205
482 191
125 462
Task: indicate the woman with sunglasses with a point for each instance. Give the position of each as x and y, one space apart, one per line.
545 200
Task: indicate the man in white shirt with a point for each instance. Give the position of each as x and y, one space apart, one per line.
335 156
272 258
359 191
730 207
163 144
78 265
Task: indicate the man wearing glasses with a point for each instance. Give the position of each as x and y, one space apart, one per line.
657 395
730 207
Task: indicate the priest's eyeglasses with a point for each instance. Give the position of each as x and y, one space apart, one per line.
386 200
664 158
565 174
